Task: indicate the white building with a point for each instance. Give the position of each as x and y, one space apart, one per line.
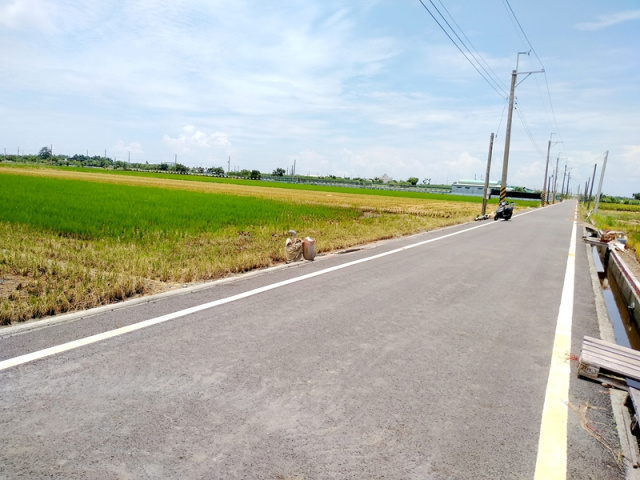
472 187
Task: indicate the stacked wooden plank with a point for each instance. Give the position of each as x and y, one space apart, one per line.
608 363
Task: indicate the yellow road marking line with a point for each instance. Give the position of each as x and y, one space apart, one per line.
551 463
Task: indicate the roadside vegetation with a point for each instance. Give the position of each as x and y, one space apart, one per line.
623 217
71 240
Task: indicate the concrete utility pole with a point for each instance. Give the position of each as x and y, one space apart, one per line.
563 178
546 172
604 165
486 178
555 181
586 189
592 182
507 139
568 180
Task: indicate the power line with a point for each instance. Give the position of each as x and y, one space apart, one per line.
528 131
523 34
522 30
502 94
495 78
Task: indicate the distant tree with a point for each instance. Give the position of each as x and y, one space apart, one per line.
427 181
279 172
244 173
412 180
45 152
636 196
181 169
217 171
255 175
164 167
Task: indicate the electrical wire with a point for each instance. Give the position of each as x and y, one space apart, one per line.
523 34
502 94
504 109
528 131
492 75
522 30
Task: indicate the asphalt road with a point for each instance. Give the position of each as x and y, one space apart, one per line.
428 362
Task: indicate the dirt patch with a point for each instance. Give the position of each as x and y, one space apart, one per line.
9 284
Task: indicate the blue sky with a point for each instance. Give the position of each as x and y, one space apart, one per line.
354 88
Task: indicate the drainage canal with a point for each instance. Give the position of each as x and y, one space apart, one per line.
624 329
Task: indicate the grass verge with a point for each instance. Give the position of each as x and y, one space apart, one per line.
626 218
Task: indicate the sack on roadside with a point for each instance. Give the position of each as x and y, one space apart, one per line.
293 250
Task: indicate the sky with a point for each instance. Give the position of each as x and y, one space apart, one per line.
357 88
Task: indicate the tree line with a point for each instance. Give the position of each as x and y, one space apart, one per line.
46 157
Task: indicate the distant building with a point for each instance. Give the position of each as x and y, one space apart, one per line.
471 187
385 178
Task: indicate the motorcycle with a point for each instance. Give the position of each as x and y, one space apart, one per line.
504 210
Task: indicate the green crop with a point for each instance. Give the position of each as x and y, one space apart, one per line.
95 210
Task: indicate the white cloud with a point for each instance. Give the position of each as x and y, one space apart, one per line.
123 151
357 88
468 166
605 21
197 145
27 15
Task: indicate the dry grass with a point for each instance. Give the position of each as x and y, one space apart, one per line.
46 273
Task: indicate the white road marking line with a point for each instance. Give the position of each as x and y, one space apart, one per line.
551 463
29 357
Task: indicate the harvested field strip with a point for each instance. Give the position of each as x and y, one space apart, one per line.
67 244
276 184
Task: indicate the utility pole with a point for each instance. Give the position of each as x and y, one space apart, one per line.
568 180
546 171
563 177
586 189
555 181
228 165
604 165
486 178
592 182
507 140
